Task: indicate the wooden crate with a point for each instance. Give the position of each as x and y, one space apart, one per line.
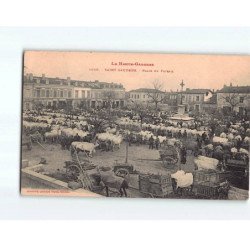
155 185
212 176
207 189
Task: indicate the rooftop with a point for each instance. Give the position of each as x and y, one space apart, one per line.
196 91
235 89
147 90
29 78
212 99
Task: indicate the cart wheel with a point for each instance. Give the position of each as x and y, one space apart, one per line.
73 172
122 172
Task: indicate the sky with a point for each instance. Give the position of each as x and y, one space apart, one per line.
196 71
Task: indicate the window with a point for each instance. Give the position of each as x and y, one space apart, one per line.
138 96
65 93
241 99
54 93
43 93
38 93
144 96
76 94
131 96
61 93
47 92
69 94
83 93
88 94
197 98
189 98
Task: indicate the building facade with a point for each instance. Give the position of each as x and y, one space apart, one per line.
194 99
143 95
66 93
234 98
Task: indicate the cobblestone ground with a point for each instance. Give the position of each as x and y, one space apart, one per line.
141 157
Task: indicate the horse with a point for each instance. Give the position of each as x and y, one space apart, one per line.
108 178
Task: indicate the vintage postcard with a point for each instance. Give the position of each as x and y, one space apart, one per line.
135 125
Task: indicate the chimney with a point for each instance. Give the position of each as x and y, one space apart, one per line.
43 77
68 80
231 85
31 77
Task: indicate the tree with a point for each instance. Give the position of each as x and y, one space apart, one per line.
156 94
234 99
109 97
38 106
140 110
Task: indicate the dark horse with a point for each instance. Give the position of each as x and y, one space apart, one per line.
110 180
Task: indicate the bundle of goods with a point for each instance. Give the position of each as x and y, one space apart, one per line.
36 125
203 162
53 134
146 135
248 132
243 151
125 122
111 130
183 179
219 140
155 185
223 135
230 136
115 139
84 146
173 142
247 140
69 132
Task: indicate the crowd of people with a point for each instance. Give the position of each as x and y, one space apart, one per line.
207 127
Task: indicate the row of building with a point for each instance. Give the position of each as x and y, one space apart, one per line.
236 98
62 93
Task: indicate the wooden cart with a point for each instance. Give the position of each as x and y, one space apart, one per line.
169 155
156 186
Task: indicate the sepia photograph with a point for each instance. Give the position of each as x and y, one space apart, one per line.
135 125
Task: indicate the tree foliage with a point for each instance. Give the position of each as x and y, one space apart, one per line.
233 99
156 95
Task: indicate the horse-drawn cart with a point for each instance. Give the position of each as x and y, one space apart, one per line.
169 155
76 169
156 186
238 165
